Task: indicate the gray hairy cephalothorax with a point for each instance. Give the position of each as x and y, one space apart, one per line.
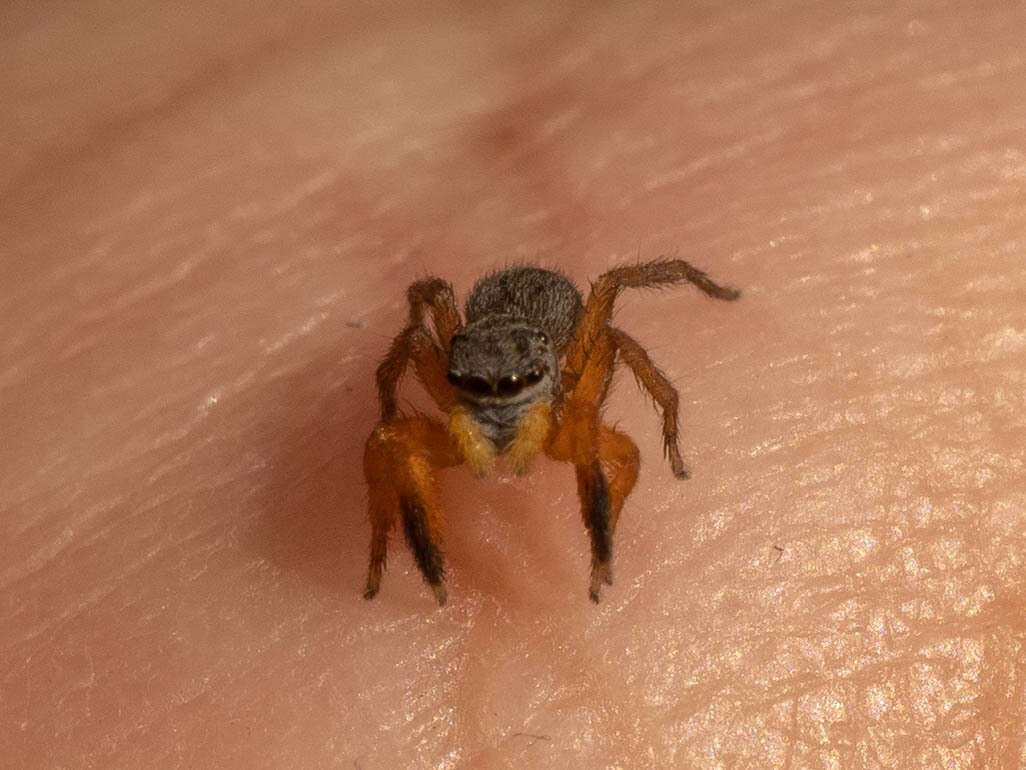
519 322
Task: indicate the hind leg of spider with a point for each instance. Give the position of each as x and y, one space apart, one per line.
399 462
660 389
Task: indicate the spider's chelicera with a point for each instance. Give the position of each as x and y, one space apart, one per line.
526 373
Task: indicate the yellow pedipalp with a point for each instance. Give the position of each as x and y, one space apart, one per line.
532 434
475 448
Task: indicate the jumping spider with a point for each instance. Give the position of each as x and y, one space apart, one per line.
527 373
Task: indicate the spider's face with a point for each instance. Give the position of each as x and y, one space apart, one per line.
502 361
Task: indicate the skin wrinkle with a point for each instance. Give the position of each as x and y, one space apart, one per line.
184 525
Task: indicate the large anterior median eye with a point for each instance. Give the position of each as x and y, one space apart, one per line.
476 385
511 385
479 386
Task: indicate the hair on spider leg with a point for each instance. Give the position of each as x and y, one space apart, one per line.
525 371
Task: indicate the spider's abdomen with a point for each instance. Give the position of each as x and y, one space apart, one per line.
544 298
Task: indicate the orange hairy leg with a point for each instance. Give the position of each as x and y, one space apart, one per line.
587 373
661 390
415 343
593 448
402 452
596 450
599 307
619 459
399 461
606 470
434 296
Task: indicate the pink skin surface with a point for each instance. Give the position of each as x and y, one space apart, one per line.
208 219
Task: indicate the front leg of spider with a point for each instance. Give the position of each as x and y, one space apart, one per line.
402 453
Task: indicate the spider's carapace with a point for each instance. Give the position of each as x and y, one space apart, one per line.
526 373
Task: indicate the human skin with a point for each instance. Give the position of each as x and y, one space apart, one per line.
208 221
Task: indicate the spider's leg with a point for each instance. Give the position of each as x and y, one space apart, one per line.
383 509
602 500
435 295
621 459
415 344
599 307
399 463
606 461
596 509
661 390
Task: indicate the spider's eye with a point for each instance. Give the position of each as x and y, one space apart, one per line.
476 385
511 384
455 378
534 376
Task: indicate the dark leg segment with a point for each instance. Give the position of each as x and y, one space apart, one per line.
598 519
399 463
383 505
596 450
426 551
